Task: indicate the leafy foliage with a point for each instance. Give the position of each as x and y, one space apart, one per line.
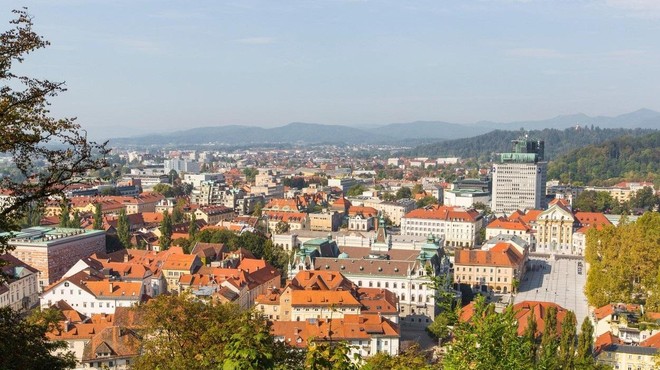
484 146
355 190
624 262
123 229
24 344
623 158
50 152
165 228
488 341
181 332
98 217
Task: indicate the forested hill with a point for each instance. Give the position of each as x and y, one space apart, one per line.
623 158
557 142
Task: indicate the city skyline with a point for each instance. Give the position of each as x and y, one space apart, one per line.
134 67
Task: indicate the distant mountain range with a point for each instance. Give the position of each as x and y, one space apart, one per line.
311 133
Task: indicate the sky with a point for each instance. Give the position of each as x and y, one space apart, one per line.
139 66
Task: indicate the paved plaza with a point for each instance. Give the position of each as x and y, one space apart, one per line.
556 281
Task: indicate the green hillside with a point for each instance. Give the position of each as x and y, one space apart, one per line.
623 158
557 142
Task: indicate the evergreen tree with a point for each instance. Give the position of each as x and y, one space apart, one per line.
98 217
567 349
123 229
585 344
177 215
65 219
549 341
489 341
165 228
193 228
75 221
530 337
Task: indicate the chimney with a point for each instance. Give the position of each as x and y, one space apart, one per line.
111 287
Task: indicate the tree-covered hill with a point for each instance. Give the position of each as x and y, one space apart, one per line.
623 158
557 142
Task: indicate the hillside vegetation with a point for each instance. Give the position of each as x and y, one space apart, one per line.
557 142
623 158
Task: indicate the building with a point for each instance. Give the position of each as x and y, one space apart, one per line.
466 198
514 227
19 285
53 250
91 293
214 214
393 210
610 351
343 183
554 228
196 180
181 165
362 218
326 221
403 272
366 335
519 179
241 284
498 269
457 226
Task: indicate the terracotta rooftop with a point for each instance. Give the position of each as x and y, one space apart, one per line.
438 212
351 327
502 254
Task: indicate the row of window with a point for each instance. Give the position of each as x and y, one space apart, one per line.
394 285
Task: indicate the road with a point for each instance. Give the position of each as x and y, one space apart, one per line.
556 281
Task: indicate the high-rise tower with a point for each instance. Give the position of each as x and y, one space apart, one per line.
519 177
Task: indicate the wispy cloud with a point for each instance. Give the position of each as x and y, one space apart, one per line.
637 8
541 53
177 15
255 40
139 45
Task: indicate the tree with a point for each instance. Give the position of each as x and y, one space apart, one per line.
24 344
355 190
193 228
403 192
165 228
65 214
50 152
426 201
98 217
329 356
165 190
417 189
250 174
181 332
281 227
530 337
75 221
410 358
488 341
585 344
549 341
567 348
628 277
257 210
123 229
177 215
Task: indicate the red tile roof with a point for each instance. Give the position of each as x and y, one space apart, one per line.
444 213
502 254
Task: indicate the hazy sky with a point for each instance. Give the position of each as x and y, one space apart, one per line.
132 66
